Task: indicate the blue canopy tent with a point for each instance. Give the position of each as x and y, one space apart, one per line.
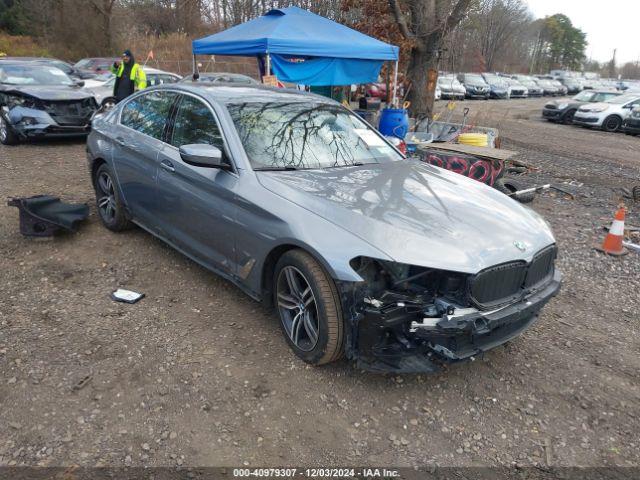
302 47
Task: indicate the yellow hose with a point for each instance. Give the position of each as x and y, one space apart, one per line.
475 139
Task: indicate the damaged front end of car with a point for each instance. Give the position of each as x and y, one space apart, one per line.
414 319
31 117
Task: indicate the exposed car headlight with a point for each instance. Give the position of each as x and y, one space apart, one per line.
599 109
385 279
562 106
13 101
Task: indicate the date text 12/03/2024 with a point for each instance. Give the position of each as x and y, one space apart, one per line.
316 472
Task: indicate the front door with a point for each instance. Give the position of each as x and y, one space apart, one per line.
196 204
138 140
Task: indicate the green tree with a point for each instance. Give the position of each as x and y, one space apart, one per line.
560 44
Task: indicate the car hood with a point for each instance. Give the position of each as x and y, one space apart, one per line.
50 92
590 106
571 104
417 213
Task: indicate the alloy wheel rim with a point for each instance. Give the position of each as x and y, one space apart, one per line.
612 124
106 197
298 308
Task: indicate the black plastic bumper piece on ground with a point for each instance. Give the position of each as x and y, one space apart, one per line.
459 339
45 216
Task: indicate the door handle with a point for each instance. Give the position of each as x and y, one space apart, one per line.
120 141
168 166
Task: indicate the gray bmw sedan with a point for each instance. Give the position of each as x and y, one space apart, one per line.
397 264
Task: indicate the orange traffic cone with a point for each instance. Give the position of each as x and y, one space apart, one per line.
612 244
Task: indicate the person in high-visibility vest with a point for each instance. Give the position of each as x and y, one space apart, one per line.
129 76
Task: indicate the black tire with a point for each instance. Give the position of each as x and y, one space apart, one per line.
567 118
612 123
319 336
108 202
109 102
508 186
7 135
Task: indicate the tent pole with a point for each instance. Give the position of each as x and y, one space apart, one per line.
196 74
268 64
395 84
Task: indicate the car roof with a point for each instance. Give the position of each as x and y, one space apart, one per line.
32 59
233 92
157 70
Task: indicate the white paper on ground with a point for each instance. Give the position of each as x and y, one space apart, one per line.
127 295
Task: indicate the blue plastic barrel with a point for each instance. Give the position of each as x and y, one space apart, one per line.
394 122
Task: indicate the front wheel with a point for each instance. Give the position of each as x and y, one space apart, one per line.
567 118
309 308
7 135
612 123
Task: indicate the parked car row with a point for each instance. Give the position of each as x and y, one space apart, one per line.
608 110
503 86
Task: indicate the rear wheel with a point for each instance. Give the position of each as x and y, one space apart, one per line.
7 135
108 201
309 308
612 123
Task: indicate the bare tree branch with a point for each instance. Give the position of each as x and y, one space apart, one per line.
400 19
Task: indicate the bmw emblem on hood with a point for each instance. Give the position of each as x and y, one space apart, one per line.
520 246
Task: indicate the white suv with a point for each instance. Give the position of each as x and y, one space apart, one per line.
607 115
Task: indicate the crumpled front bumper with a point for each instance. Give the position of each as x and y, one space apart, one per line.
33 123
452 339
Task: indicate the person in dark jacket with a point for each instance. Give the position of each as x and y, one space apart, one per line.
129 76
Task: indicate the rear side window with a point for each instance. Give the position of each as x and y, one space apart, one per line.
158 79
195 123
148 113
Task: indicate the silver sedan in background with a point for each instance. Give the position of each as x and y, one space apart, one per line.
397 264
102 86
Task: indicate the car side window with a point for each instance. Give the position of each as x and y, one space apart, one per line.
148 113
195 123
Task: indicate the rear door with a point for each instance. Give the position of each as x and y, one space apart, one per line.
196 204
138 138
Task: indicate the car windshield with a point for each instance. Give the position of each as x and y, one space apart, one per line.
84 63
304 135
495 80
448 81
33 75
584 96
622 99
474 78
222 77
103 77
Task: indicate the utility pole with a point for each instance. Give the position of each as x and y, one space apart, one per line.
612 64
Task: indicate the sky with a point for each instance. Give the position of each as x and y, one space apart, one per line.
608 24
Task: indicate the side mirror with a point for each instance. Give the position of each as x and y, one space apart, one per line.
202 155
79 83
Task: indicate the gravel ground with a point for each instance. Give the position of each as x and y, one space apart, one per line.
197 374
